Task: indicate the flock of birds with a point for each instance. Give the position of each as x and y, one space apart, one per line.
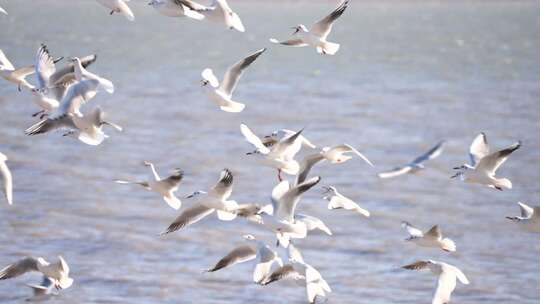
61 93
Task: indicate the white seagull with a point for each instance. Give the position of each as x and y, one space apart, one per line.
280 155
316 37
264 256
416 165
300 271
337 200
87 128
16 76
175 8
432 238
447 278
529 218
216 199
118 6
282 221
219 11
221 93
484 164
165 187
58 272
7 178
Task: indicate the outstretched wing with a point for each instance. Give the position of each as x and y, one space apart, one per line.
493 161
237 255
187 217
431 154
288 201
44 66
324 26
19 268
290 42
413 231
253 139
478 149
233 74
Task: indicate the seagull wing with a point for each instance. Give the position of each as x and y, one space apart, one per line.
434 232
8 181
413 231
233 74
418 265
290 42
19 268
277 193
478 149
45 66
431 154
445 286
493 161
188 217
395 172
305 166
263 268
69 69
253 139
526 211
23 72
289 200
312 223
224 186
287 272
324 26
4 61
3 11
237 255
348 148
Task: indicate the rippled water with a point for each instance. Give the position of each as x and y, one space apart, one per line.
407 75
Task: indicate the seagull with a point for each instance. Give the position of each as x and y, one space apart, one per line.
485 164
282 221
16 76
417 164
300 271
118 6
338 201
42 290
447 278
65 76
221 94
280 155
7 178
529 218
219 11
58 272
316 37
165 187
88 128
81 73
175 8
3 11
432 238
265 257
217 199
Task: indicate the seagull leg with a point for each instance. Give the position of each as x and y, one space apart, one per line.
19 87
498 188
279 175
112 12
37 113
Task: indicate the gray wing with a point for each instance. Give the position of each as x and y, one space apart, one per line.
395 172
174 179
44 66
431 154
70 68
416 265
493 161
51 124
478 149
234 73
238 255
187 217
282 273
192 5
290 42
324 26
224 186
289 200
434 232
19 268
413 231
305 166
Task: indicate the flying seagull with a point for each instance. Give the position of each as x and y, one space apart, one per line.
316 36
7 178
58 272
337 200
529 217
432 238
221 93
447 278
484 164
165 187
118 6
416 165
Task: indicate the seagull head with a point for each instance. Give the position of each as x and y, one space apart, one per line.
248 237
299 28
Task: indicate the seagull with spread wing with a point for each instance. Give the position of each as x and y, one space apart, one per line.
221 93
166 187
58 272
432 238
317 35
448 274
7 178
484 164
529 218
416 165
13 75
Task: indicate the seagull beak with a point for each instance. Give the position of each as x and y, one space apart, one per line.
296 29
455 175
